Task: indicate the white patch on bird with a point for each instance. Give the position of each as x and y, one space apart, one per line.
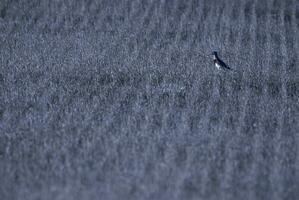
217 65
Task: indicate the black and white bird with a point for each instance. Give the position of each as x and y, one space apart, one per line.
219 64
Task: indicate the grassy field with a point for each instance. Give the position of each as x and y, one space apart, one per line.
115 100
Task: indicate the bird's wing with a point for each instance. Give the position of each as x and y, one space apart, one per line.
224 65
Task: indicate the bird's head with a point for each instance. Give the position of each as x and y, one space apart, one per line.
214 53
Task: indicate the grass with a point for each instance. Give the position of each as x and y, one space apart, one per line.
113 100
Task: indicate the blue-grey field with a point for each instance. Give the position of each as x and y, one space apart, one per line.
120 99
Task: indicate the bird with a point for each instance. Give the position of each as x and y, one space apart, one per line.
219 64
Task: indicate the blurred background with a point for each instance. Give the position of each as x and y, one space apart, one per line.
121 100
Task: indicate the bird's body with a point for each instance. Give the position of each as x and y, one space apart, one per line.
219 64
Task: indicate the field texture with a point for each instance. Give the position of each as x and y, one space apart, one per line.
118 99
